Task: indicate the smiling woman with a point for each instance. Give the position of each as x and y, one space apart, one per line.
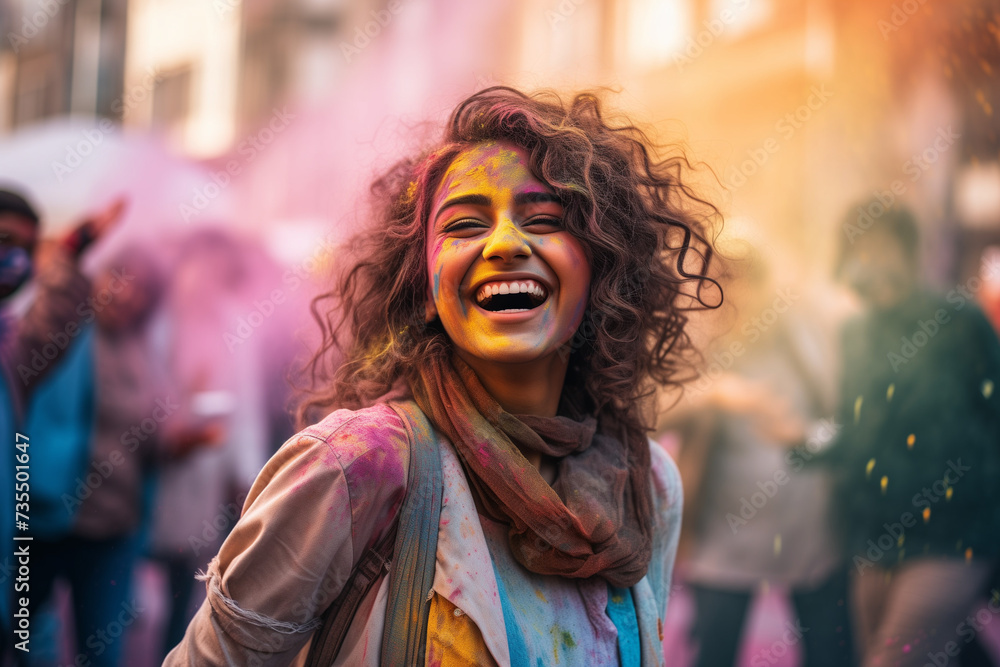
507 280
498 459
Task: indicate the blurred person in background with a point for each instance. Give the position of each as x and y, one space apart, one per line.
219 385
755 518
30 344
544 527
129 433
919 452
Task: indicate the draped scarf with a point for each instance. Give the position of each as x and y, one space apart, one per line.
595 519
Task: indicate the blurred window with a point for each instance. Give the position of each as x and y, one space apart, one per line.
746 15
657 29
172 99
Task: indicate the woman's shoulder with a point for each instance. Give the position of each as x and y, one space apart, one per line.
365 445
668 506
668 493
353 433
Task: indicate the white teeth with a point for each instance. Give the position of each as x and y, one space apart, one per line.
527 287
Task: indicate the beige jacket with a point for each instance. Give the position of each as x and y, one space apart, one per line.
327 495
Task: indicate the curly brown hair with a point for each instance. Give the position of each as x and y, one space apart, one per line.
646 233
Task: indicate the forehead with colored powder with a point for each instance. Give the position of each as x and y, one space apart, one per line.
490 165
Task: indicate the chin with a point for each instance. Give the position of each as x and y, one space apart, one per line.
512 353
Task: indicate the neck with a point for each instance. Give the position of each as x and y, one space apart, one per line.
531 388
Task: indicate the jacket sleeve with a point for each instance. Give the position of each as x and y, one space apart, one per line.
317 505
668 508
52 321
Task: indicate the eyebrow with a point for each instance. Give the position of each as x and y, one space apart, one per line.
522 198
465 200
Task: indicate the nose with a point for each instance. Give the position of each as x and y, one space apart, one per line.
506 242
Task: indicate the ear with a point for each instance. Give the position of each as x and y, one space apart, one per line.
430 311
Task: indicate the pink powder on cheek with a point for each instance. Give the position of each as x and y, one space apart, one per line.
448 251
433 266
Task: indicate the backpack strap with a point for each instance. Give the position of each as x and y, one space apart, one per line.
337 618
404 640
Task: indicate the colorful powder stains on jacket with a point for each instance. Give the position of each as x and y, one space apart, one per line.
561 638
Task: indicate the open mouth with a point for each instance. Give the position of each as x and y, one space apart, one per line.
512 296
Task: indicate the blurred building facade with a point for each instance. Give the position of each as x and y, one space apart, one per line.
801 107
60 57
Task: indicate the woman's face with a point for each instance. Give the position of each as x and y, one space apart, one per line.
507 279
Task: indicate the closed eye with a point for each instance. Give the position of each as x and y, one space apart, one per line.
539 222
464 224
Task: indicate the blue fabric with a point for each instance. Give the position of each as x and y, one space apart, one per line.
99 573
621 611
60 423
515 640
144 532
